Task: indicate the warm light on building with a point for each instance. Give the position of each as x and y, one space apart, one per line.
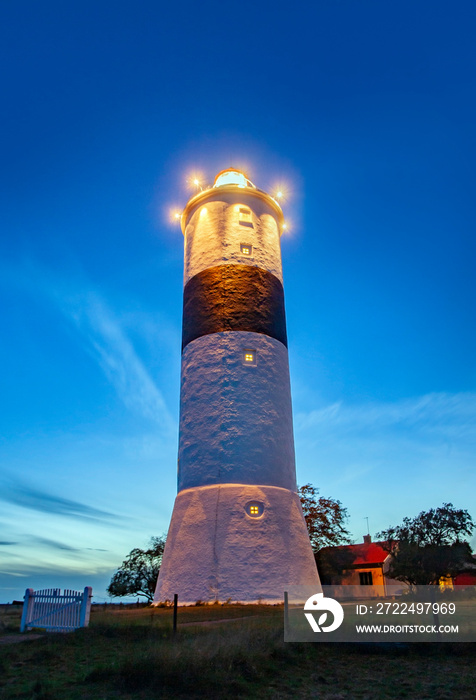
195 180
237 504
232 177
281 192
174 215
244 215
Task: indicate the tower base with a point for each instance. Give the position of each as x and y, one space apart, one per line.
217 551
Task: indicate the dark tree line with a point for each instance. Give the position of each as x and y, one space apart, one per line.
430 546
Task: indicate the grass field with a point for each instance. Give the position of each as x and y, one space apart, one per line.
131 653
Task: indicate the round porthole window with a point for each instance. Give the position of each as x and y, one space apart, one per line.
254 509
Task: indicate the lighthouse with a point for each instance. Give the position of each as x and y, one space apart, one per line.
237 531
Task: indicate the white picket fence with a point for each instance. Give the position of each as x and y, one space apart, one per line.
55 611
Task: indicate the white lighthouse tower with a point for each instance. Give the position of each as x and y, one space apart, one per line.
237 530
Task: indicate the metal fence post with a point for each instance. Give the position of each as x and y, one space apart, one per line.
286 614
175 611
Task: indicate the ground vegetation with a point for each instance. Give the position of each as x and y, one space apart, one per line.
130 653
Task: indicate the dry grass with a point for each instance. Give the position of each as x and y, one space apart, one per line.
131 653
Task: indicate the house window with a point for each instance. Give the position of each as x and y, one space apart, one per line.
254 509
249 357
365 578
246 249
244 216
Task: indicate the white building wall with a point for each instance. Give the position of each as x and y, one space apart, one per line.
236 441
235 419
216 551
214 234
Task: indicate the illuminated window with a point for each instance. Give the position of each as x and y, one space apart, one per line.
365 578
245 216
249 357
246 249
254 509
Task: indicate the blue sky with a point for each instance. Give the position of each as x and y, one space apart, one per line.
365 111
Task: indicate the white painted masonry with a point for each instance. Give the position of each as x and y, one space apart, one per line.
235 419
213 235
236 445
215 551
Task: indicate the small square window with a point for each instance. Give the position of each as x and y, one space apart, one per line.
246 249
249 357
254 509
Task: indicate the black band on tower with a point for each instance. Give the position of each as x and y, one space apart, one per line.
233 298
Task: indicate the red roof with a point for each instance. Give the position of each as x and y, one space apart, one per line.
363 554
372 553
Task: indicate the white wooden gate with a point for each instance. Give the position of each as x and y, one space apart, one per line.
56 612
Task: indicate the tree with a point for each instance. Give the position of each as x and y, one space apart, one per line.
325 519
138 572
430 546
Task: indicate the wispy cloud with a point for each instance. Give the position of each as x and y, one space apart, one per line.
439 415
54 544
391 459
109 345
103 335
27 496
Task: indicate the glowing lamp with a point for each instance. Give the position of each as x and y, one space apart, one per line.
231 177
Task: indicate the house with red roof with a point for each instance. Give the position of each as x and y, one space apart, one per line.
364 564
367 564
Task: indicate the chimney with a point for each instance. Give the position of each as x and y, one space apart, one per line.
367 539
